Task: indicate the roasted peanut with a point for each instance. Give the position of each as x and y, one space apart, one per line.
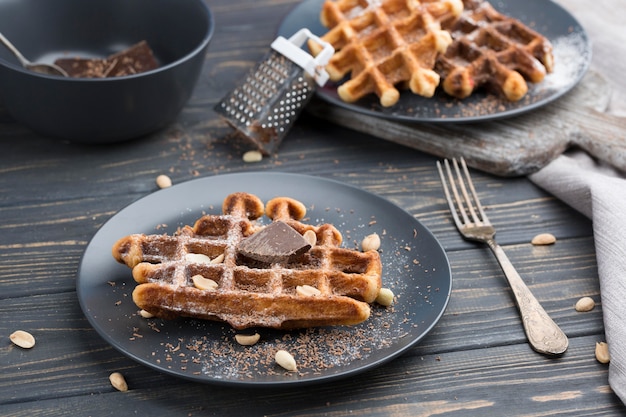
307 291
385 297
22 339
286 360
198 258
218 259
252 156
247 339
543 239
203 283
145 314
310 237
585 304
118 381
370 242
163 181
602 352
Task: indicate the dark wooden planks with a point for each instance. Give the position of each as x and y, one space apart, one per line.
477 382
54 196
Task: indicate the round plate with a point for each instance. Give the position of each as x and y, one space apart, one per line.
572 56
415 267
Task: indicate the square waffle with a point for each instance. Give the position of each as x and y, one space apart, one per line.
251 294
492 50
386 43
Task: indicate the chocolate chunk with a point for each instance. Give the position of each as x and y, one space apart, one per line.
133 60
277 242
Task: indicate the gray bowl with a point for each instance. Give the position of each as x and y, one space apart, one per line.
101 110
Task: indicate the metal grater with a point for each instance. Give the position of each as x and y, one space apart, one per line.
265 105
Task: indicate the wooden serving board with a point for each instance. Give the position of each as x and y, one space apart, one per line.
513 146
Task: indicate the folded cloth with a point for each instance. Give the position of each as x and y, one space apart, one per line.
599 192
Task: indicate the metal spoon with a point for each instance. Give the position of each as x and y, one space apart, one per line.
41 68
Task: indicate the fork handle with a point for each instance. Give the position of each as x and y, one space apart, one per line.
544 335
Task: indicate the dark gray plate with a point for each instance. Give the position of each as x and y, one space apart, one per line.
572 52
414 266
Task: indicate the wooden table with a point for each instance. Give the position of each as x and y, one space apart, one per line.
55 196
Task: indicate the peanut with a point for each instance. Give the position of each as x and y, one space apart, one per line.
247 339
285 360
371 242
252 156
307 291
585 304
163 181
22 339
385 297
118 381
602 352
145 314
218 259
198 258
203 283
310 237
543 239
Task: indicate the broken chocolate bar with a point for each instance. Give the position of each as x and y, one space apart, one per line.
133 60
277 242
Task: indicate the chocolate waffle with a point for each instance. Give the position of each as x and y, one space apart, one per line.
492 50
325 285
386 43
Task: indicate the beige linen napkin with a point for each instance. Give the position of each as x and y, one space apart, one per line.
599 192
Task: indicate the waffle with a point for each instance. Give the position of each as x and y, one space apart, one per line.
249 293
494 51
386 43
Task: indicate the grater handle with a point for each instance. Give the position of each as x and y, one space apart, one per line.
314 66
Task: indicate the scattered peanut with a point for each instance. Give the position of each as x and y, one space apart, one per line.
371 242
203 283
22 339
307 291
145 314
252 156
284 359
247 339
602 352
163 181
198 258
118 381
585 304
385 297
543 239
310 237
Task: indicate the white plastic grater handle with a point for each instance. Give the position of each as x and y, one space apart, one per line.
314 66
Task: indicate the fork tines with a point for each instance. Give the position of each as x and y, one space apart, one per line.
467 204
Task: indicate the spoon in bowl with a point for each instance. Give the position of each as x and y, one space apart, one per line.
41 68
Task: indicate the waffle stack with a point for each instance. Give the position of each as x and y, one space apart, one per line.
386 43
494 51
251 293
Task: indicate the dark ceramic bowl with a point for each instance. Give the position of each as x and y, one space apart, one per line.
102 110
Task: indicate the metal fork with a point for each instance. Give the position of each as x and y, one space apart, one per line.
542 332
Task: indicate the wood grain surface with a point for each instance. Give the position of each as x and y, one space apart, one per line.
54 196
513 146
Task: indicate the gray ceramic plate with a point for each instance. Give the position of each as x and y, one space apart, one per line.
414 266
572 54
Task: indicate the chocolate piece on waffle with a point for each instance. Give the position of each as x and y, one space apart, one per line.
278 242
492 50
248 295
386 43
